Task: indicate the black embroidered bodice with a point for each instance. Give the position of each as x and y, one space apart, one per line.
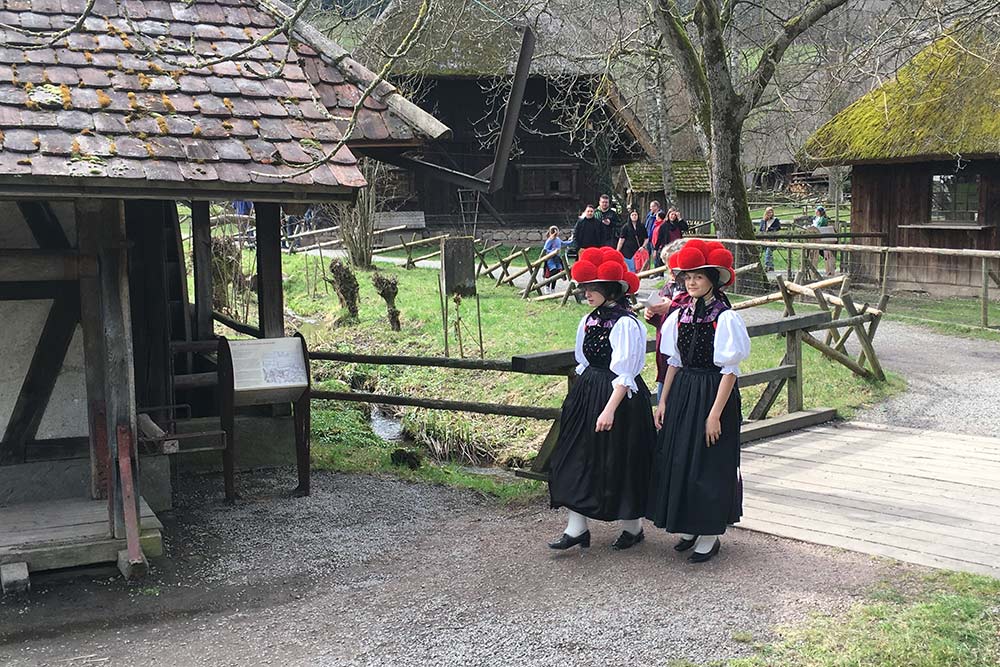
696 335
597 335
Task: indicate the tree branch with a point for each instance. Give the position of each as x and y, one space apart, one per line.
775 51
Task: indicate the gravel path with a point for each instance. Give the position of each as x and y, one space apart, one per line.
374 571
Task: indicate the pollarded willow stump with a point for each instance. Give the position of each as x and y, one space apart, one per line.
345 285
387 288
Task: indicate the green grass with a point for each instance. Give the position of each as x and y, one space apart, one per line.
511 326
944 620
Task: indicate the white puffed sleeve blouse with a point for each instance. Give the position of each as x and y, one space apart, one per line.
732 344
628 351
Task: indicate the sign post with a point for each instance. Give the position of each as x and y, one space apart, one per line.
265 371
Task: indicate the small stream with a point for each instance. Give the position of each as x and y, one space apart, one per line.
390 428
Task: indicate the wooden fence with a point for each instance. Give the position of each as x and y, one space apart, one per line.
786 376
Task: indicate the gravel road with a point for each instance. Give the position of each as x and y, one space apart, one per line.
375 571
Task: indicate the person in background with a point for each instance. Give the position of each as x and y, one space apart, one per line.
650 222
659 305
659 240
553 265
826 227
588 232
631 238
610 220
676 225
769 223
243 207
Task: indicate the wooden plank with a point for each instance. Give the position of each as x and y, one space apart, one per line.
439 404
931 539
863 460
767 399
270 298
783 424
201 235
404 360
68 512
41 377
783 371
926 450
80 532
793 354
833 354
959 525
92 552
777 525
56 449
239 327
903 486
32 290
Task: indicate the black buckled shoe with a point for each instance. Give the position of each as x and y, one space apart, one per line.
684 545
566 542
627 540
705 557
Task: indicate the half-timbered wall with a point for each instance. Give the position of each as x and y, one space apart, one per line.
43 410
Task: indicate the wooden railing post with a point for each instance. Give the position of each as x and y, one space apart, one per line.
793 355
986 293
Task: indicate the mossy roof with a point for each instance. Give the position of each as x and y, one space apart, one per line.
943 103
689 176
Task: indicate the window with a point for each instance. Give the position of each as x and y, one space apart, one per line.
955 199
540 181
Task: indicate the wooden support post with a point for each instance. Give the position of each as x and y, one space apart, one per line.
886 263
865 342
994 277
201 235
786 296
835 355
119 389
793 355
985 295
270 299
767 398
873 326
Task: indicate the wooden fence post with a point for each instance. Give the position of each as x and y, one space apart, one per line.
985 296
793 355
886 263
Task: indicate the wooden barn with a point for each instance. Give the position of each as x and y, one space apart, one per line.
100 142
924 149
552 173
642 182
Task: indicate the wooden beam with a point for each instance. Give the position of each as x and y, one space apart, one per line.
530 412
863 340
270 298
34 290
768 375
43 224
91 231
793 421
239 327
201 233
44 265
40 380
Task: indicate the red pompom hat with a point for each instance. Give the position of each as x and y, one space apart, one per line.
604 265
698 254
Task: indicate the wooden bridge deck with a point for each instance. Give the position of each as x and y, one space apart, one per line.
921 497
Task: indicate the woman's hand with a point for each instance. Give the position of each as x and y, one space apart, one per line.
647 313
713 428
660 308
661 410
605 421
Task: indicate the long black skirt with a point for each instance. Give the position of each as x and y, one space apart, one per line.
694 488
602 475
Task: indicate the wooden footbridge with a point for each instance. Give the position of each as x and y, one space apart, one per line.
921 497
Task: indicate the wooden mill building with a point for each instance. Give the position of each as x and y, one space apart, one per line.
102 132
924 149
460 68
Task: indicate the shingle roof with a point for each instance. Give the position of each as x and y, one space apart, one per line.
97 109
688 175
943 103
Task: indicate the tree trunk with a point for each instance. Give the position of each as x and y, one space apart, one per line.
665 139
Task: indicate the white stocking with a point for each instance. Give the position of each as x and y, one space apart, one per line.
705 543
632 526
687 537
576 524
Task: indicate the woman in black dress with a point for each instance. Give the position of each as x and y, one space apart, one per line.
600 465
695 488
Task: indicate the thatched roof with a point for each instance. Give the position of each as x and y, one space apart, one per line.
944 103
688 175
